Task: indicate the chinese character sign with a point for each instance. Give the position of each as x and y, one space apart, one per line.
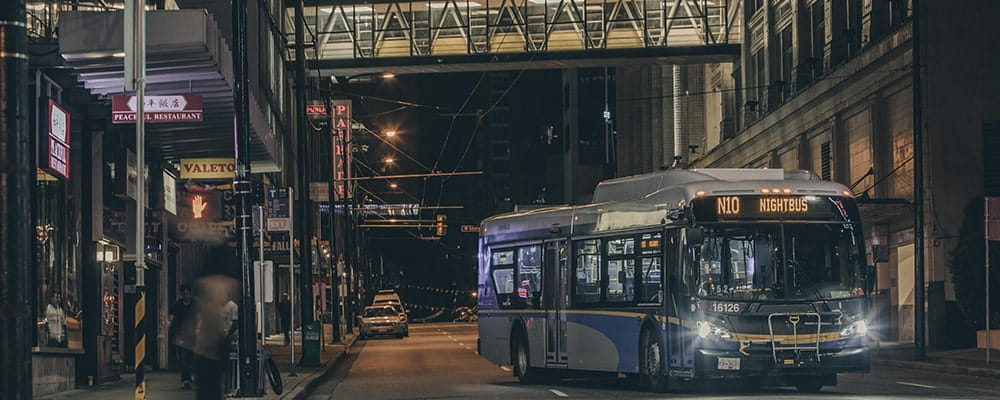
58 140
341 119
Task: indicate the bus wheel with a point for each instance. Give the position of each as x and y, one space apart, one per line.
522 370
651 375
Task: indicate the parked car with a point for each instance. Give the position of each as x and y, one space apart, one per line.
381 320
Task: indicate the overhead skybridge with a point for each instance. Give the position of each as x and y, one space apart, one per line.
414 36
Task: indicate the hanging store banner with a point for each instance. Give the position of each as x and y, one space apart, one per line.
341 119
178 108
207 168
57 140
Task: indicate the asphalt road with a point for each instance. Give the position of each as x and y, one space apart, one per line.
439 361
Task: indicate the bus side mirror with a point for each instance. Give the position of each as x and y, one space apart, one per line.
694 236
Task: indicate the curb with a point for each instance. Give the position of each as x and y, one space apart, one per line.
309 383
949 369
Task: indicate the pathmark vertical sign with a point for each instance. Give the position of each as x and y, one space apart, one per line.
340 111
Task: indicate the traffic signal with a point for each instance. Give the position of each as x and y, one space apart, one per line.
439 224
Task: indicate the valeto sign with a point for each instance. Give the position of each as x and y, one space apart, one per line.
207 168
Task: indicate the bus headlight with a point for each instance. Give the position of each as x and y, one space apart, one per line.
858 328
706 329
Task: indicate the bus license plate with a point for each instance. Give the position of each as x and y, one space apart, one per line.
730 364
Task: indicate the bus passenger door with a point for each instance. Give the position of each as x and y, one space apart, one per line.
678 353
556 299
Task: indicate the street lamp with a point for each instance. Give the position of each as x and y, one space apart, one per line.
389 160
390 133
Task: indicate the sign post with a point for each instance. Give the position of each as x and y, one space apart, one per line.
135 79
279 218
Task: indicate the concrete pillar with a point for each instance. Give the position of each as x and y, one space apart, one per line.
656 117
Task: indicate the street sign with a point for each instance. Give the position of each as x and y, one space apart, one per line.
316 110
993 218
470 228
278 211
178 108
319 191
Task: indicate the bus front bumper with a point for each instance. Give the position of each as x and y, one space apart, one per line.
730 364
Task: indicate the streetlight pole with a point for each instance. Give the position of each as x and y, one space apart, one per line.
16 169
248 359
304 175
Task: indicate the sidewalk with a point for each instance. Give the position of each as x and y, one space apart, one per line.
166 384
953 361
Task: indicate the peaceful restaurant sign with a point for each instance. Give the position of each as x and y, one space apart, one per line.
179 108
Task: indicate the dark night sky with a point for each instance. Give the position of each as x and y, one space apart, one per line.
533 102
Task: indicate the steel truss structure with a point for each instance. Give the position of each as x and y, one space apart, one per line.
469 27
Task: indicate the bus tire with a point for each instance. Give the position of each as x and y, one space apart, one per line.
651 376
520 357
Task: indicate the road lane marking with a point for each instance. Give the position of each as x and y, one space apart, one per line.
558 393
505 368
917 385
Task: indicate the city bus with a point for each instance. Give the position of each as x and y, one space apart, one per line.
755 275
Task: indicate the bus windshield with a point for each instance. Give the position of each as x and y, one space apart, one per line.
780 261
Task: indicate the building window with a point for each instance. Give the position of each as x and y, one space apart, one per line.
59 311
824 150
852 33
817 39
783 85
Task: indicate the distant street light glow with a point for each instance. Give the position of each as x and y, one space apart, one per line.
388 75
389 160
393 185
390 133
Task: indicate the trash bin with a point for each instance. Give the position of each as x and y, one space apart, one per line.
310 343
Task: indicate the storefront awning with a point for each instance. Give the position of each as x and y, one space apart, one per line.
186 54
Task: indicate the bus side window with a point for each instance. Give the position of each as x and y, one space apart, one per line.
587 289
503 277
529 276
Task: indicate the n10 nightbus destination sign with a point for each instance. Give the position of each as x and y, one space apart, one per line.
775 207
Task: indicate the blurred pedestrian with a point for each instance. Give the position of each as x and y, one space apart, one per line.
182 333
285 316
213 326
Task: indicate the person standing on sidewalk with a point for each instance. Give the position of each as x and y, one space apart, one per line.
285 316
181 332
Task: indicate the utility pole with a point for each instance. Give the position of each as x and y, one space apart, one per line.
304 176
16 182
918 194
248 361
